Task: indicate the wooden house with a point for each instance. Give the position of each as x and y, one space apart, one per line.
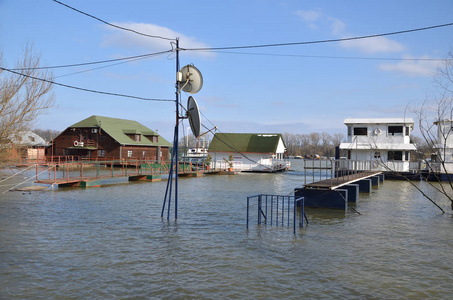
110 138
258 152
26 146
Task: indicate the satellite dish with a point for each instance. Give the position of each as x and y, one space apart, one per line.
193 114
190 79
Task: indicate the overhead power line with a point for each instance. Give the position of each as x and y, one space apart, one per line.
113 25
318 42
84 89
326 56
96 62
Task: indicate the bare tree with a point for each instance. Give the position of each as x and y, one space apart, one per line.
435 121
304 143
47 134
315 139
337 138
22 97
326 140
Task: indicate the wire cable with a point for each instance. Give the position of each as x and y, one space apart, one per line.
84 89
326 57
319 41
96 62
113 25
230 144
103 67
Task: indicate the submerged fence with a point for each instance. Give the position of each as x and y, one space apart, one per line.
279 210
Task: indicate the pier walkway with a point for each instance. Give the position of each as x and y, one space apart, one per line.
90 173
337 182
337 186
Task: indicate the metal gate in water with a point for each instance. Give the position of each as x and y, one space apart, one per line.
278 210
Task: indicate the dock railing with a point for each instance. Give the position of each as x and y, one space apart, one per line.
69 170
279 210
275 165
325 169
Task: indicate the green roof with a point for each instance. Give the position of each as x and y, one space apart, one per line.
119 129
245 142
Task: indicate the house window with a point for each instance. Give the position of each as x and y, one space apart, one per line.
377 154
155 139
395 155
407 131
144 154
94 130
360 131
101 153
395 130
349 130
137 137
129 153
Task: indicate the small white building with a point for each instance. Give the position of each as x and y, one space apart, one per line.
444 146
384 143
248 152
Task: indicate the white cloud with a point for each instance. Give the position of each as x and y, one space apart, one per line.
412 67
309 16
125 39
337 25
374 45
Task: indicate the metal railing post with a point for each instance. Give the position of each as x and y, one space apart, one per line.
248 202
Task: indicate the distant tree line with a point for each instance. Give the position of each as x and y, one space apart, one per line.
322 144
47 134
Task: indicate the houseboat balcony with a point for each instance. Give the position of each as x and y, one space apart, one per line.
373 165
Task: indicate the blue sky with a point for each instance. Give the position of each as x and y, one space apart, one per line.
298 89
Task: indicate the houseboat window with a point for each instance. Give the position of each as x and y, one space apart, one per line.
395 155
129 153
377 154
360 131
137 137
349 130
395 130
101 153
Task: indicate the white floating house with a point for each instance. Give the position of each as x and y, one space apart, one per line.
383 143
248 152
444 146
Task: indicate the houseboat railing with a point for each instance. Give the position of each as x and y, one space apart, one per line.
278 210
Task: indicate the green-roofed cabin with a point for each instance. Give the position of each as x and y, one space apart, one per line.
111 138
253 152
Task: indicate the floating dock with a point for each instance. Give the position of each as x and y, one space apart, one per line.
336 192
91 174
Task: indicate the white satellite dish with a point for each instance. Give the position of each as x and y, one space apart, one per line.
193 114
190 79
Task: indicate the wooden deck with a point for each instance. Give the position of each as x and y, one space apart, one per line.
334 183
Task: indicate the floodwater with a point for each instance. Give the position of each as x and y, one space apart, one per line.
111 243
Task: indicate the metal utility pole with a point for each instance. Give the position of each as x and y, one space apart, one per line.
174 157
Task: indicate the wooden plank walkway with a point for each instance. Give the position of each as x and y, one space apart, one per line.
336 182
75 180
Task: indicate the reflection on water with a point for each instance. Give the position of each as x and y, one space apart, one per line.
110 242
